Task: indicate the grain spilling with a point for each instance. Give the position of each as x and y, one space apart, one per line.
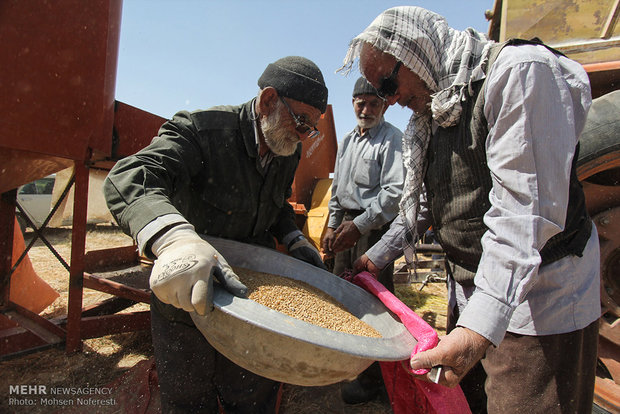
302 301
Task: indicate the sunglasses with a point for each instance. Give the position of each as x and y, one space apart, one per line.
301 126
388 86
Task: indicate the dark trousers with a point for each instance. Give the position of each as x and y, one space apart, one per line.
193 376
535 374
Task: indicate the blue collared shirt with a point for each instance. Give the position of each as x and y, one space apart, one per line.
369 176
536 107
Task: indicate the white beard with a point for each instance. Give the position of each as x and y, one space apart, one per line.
278 139
366 123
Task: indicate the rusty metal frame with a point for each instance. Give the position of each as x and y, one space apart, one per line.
39 230
35 333
7 223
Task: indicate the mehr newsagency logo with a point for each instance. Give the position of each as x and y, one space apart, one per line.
42 395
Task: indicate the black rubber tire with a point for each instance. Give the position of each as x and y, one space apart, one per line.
601 138
601 133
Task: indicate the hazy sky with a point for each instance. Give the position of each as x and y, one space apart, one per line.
194 54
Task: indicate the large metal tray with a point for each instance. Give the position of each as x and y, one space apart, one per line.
282 348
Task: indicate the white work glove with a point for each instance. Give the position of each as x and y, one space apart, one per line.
300 248
182 275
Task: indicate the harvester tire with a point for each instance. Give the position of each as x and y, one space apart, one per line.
600 139
599 171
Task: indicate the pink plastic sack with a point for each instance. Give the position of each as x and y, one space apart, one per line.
407 394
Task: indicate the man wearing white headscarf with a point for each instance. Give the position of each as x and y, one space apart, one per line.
494 141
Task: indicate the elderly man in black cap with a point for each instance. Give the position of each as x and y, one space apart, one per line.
367 185
226 172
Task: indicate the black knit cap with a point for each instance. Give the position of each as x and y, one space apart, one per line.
297 78
363 87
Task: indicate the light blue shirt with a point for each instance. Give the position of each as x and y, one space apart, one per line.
369 176
536 107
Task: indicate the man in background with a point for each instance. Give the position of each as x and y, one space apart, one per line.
367 185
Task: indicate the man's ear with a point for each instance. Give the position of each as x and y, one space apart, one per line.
267 100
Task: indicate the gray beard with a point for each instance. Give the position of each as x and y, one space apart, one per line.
278 139
366 123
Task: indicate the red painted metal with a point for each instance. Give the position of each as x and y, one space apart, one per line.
97 326
57 93
78 245
317 160
103 259
7 221
44 329
606 395
134 128
18 341
118 289
604 77
57 101
606 389
602 66
608 226
30 332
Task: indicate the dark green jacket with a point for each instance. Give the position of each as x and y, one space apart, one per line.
204 165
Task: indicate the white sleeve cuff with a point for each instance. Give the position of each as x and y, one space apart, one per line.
145 235
334 219
362 223
486 316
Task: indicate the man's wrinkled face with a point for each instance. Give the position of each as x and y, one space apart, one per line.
279 131
411 92
368 110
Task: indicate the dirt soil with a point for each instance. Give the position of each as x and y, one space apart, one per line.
105 360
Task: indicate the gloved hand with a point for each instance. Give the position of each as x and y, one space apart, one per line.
182 275
302 249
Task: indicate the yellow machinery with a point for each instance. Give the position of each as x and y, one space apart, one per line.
316 221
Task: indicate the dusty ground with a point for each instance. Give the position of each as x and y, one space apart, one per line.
106 359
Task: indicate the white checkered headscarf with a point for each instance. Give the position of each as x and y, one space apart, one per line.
448 61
